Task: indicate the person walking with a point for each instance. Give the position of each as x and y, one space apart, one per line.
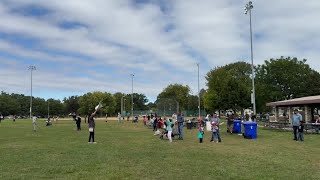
296 118
169 129
119 118
34 122
180 120
92 126
215 123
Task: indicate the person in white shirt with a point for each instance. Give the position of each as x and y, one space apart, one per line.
34 122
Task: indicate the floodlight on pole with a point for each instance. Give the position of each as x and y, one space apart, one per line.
247 9
31 68
198 64
48 109
132 75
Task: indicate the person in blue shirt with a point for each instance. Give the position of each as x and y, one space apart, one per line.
296 118
180 120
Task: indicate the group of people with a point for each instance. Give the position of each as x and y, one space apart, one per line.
215 128
168 127
298 126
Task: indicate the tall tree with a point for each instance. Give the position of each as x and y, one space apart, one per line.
175 93
229 87
56 107
8 105
88 102
285 78
118 97
71 104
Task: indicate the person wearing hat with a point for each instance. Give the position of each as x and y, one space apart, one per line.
296 119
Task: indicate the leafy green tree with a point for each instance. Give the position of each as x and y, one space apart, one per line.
56 107
177 93
39 107
71 104
88 102
229 87
285 78
8 105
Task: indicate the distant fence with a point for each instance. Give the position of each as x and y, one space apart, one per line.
168 113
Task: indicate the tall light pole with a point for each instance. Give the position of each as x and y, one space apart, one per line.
31 68
247 9
48 109
198 64
132 75
124 105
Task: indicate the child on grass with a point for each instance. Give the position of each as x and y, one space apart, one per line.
214 128
201 133
300 131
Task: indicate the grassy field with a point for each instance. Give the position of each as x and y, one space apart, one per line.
130 151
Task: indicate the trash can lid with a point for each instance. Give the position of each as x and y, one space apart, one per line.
237 121
250 123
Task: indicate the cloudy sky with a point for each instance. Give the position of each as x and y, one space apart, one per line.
89 45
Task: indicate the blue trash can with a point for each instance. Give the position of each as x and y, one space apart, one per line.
236 127
250 130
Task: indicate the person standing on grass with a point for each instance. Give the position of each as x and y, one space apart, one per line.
230 119
215 123
78 121
119 118
201 133
169 129
296 118
144 120
180 120
34 122
92 125
155 124
1 117
300 131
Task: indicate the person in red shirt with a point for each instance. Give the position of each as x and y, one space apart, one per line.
160 123
145 120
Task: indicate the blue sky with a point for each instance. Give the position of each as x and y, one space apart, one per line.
81 46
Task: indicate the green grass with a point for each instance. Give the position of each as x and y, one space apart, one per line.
130 151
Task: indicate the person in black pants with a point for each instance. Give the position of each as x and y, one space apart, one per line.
300 131
78 121
92 126
155 124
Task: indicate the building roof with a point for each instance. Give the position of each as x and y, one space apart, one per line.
298 101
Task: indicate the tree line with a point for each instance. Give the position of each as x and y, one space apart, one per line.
228 87
19 104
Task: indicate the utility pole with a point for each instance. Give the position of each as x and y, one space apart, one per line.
31 68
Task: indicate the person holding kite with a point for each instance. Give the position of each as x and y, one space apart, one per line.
92 124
